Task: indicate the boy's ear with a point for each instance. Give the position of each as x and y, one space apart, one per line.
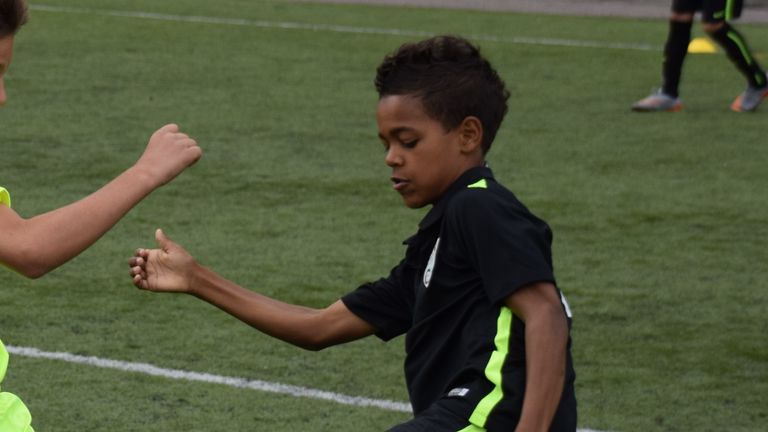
471 133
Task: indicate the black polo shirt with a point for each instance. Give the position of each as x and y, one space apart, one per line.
476 246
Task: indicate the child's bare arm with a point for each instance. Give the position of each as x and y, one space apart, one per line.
39 244
546 340
172 269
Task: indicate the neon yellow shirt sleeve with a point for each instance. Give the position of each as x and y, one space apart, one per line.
5 197
14 415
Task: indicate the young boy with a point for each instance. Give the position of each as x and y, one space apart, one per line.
716 16
39 244
487 330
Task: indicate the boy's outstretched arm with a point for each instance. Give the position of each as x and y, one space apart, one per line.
39 244
546 341
172 269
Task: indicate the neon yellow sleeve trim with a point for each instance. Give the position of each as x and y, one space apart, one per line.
5 197
3 361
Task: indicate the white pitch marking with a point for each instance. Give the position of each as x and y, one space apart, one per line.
287 25
266 386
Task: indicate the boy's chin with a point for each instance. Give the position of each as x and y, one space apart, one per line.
414 203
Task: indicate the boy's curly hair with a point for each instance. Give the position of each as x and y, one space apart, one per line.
13 14
452 80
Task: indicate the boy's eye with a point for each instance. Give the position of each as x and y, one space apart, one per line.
410 144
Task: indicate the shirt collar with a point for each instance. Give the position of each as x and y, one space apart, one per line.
469 177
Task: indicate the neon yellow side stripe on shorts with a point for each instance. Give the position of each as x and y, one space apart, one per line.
729 10
493 369
5 197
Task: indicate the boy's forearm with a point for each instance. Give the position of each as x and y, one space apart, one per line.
546 339
46 241
290 323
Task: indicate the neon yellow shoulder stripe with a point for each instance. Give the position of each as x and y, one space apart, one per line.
5 197
480 184
493 369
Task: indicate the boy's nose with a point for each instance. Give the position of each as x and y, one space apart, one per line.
393 158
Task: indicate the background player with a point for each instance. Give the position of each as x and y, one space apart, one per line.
716 17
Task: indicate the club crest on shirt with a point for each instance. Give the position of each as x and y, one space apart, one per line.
431 264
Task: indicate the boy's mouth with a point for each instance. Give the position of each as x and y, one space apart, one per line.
399 183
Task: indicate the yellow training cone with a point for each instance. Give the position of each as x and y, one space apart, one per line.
701 46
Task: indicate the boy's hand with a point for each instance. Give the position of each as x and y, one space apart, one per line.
168 269
168 153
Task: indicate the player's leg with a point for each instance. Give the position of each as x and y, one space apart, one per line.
715 17
675 50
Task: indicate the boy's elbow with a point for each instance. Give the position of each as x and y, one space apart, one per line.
301 337
30 271
314 342
318 337
35 273
31 263
556 319
313 347
318 329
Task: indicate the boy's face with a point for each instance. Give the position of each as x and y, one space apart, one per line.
424 157
6 52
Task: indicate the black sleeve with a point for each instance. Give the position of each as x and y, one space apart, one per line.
385 304
507 245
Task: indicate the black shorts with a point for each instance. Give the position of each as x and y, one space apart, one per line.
440 416
712 11
450 414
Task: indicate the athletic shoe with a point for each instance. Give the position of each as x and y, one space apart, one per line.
750 99
658 101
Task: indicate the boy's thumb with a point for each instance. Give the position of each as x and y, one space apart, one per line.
162 240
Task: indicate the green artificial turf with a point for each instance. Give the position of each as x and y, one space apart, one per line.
659 220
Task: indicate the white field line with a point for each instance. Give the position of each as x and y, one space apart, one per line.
244 383
287 25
